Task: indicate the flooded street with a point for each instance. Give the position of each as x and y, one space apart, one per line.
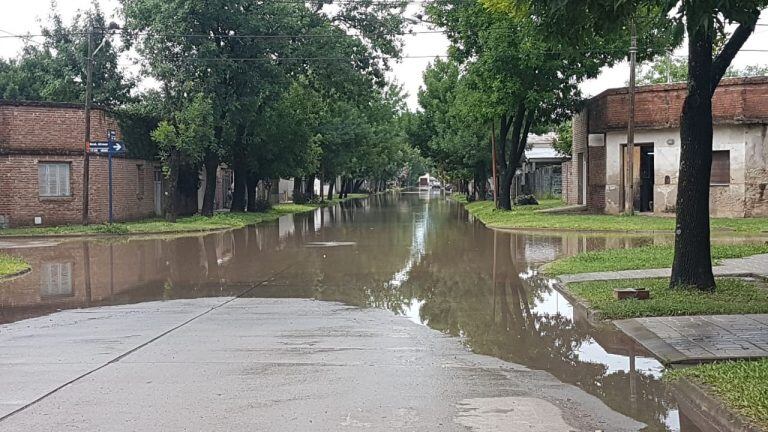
418 256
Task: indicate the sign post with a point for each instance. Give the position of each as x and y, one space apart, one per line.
111 147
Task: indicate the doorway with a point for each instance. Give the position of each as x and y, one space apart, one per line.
646 178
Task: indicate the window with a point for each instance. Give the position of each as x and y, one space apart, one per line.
140 181
721 167
56 280
53 179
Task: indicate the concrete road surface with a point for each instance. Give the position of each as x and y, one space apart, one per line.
240 364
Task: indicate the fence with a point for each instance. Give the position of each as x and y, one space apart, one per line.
543 182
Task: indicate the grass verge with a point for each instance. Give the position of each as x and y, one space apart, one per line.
645 257
524 217
484 210
742 385
219 221
11 265
733 296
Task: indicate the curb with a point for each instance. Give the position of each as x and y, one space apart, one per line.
707 411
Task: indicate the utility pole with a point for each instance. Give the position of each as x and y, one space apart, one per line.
629 200
86 149
493 168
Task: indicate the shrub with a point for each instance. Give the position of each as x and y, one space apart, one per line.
524 200
299 197
261 205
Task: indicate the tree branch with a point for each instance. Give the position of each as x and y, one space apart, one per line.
516 129
501 144
524 138
725 57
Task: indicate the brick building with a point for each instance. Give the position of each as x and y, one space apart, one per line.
595 176
41 168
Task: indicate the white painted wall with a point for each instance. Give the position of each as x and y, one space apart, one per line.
724 200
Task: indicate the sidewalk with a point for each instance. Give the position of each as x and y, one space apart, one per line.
695 339
702 338
756 265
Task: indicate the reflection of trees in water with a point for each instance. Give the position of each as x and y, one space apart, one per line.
495 316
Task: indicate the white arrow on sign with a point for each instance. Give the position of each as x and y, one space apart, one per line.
117 147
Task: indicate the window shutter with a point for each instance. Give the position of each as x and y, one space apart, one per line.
721 167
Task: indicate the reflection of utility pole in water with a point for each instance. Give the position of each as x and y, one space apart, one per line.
493 277
87 272
632 380
111 272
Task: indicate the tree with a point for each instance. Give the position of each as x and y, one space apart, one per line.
54 69
704 22
564 140
517 76
668 69
245 56
183 139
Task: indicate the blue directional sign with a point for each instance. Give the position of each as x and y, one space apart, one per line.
115 147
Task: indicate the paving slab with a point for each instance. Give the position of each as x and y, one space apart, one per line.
271 365
698 339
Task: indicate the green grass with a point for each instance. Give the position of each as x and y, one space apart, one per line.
645 257
484 210
219 221
742 385
524 217
11 265
733 296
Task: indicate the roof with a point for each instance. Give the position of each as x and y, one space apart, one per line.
543 153
681 86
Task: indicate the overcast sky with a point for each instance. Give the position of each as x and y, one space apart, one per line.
21 17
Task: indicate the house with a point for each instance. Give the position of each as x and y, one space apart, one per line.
540 173
596 174
41 168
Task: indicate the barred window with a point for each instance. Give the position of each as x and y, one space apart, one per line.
53 179
721 167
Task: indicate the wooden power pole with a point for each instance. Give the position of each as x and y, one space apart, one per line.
493 168
629 200
87 148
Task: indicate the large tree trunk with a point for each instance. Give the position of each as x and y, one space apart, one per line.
172 185
211 169
296 185
505 191
238 193
342 186
358 185
331 187
511 150
309 188
251 184
692 265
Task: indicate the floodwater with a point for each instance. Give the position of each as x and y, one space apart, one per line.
418 255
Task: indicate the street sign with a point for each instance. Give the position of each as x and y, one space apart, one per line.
115 147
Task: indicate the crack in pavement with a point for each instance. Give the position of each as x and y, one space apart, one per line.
143 345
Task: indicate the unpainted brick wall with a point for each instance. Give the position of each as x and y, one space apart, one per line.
55 127
21 202
737 100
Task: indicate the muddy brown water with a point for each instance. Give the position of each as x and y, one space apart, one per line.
418 255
